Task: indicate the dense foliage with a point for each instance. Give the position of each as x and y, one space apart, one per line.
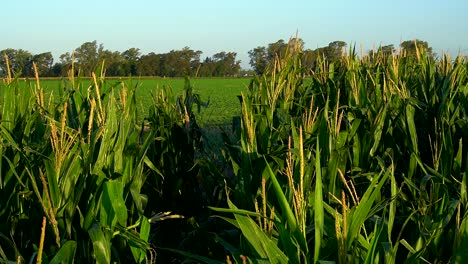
88 56
364 162
359 160
175 63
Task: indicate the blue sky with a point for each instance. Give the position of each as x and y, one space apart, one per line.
211 26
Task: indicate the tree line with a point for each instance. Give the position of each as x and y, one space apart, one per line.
175 63
262 56
131 62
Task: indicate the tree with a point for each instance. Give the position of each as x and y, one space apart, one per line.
309 59
20 62
66 61
335 50
44 62
113 62
384 51
150 64
57 70
409 47
207 67
226 64
297 41
259 59
276 49
87 56
387 49
180 62
130 61
221 64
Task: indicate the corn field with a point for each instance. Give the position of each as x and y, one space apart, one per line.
361 160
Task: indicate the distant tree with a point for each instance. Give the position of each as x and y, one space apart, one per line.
233 65
66 58
150 64
258 59
385 50
130 61
335 50
44 62
132 54
194 59
65 63
56 70
207 67
261 57
221 64
226 64
276 49
180 62
20 62
299 41
113 63
309 59
409 47
87 56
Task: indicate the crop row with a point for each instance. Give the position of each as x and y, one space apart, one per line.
362 160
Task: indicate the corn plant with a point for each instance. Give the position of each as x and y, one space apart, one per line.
74 160
363 161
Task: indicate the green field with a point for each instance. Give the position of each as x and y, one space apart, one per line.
221 93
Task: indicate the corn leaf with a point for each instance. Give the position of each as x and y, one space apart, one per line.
318 205
101 244
113 207
66 253
261 243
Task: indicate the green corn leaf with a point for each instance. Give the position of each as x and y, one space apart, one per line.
380 122
229 220
286 209
52 182
393 203
407 246
412 127
139 254
101 244
357 149
361 213
463 187
261 243
66 253
356 122
227 246
234 211
458 158
113 207
374 243
288 244
318 205
150 165
461 254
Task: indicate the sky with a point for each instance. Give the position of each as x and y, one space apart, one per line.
212 26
